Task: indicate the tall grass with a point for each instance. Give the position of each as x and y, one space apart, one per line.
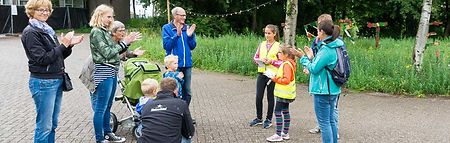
386 69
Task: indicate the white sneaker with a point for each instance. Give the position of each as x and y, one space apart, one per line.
285 136
274 138
315 130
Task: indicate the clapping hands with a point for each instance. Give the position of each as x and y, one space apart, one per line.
67 39
76 40
180 75
132 37
297 52
300 53
138 51
191 30
70 39
308 52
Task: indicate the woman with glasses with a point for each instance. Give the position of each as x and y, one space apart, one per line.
118 32
46 56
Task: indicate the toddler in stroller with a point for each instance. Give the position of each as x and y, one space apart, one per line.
136 70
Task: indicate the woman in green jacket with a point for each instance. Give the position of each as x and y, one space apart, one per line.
105 54
321 85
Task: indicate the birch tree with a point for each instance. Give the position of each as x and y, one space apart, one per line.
291 22
421 37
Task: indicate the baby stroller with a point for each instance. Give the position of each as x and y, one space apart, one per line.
136 70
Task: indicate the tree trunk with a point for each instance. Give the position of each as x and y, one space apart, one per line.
447 23
254 22
421 37
291 22
134 8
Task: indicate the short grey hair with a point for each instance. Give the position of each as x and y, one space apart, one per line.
116 25
176 10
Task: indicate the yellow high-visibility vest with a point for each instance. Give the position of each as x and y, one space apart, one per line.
285 91
271 54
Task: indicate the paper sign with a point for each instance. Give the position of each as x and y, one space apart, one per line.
13 9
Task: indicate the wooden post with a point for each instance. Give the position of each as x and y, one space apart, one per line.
168 11
377 26
377 37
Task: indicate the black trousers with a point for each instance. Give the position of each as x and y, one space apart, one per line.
261 84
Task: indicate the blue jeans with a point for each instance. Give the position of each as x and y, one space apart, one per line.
47 95
101 101
186 86
324 106
336 114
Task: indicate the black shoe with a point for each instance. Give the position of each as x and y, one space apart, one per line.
111 137
255 122
267 123
193 121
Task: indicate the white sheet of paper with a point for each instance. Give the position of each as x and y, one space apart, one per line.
260 63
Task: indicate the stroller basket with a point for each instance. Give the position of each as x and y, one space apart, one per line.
137 70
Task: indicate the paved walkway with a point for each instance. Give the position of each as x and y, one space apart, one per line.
223 105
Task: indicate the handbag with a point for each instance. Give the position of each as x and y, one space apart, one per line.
67 84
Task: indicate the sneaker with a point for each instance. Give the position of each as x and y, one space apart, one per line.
274 138
111 137
255 122
267 123
103 141
285 136
315 130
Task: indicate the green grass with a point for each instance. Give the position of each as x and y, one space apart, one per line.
386 69
84 29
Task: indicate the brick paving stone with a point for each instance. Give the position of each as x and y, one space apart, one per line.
222 104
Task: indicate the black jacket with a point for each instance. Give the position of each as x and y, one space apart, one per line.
45 56
166 119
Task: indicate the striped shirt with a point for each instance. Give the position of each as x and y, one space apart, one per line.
102 72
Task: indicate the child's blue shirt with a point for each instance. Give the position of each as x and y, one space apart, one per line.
179 80
142 101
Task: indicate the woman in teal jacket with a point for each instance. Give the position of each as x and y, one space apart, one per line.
321 85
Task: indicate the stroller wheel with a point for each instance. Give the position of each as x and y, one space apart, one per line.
113 122
137 131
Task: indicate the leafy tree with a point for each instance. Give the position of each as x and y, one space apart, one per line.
402 15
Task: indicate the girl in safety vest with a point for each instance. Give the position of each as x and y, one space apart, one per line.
284 93
267 60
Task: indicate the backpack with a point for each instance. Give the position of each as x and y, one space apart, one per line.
341 72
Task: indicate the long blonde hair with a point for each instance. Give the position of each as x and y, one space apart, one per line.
96 18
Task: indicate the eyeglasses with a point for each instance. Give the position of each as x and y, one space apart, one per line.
121 30
43 10
182 15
